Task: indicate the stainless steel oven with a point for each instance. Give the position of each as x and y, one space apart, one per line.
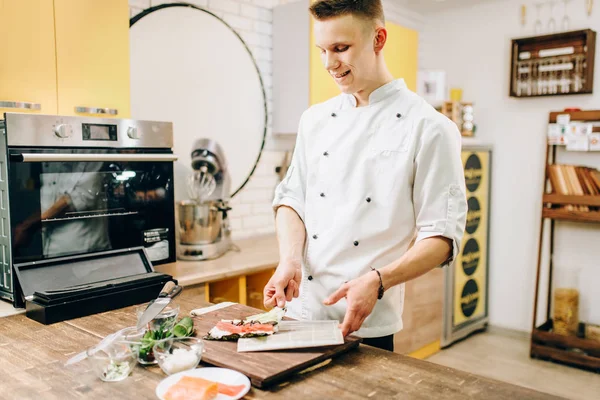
71 186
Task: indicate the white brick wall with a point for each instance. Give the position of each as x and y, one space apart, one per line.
251 208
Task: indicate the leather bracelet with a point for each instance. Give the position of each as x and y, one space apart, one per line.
381 290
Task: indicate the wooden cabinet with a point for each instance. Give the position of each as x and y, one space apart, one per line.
245 289
422 316
92 56
62 54
28 66
301 81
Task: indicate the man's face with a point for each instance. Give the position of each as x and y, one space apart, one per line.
347 51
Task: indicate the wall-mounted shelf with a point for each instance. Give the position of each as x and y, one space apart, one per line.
462 115
553 65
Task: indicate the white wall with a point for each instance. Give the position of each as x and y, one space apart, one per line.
473 46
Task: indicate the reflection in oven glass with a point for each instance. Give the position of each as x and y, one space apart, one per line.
70 208
73 198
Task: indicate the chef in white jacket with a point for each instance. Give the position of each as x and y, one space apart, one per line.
375 192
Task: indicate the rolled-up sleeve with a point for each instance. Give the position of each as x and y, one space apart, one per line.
439 194
291 190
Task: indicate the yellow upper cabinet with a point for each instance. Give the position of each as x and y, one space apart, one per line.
92 57
401 53
299 77
28 62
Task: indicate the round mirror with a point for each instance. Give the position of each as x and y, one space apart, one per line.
190 68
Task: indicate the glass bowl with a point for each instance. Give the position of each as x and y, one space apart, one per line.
164 321
133 337
178 354
156 330
112 362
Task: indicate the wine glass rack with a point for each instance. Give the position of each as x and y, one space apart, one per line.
551 65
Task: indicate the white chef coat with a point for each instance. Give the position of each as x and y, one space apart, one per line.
366 181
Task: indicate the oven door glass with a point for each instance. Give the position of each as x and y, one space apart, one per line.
64 204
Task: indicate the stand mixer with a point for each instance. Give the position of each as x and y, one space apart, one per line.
204 231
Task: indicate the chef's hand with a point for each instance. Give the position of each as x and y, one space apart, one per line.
284 285
361 296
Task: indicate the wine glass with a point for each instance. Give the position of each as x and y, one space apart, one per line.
565 20
552 21
538 21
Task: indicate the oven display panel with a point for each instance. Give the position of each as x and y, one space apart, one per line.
99 132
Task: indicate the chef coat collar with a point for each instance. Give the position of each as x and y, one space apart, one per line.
379 94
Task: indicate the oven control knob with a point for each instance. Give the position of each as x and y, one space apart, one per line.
133 132
63 130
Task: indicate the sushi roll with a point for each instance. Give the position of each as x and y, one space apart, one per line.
258 325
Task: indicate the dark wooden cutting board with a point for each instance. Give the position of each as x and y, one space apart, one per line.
263 368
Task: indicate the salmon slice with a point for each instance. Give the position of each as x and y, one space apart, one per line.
258 328
229 327
192 388
249 328
230 390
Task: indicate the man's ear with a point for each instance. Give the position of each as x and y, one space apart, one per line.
380 39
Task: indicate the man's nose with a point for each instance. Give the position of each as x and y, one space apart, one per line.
331 61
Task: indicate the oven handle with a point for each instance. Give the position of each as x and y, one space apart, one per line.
53 157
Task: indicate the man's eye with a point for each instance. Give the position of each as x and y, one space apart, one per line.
341 49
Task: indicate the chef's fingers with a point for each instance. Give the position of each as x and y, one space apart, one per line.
289 290
296 290
357 323
337 295
279 296
348 321
269 301
268 293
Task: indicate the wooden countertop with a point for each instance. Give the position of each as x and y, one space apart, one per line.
255 254
33 357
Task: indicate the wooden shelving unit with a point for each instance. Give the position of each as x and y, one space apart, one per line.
545 343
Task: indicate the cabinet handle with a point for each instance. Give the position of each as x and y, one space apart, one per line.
95 110
20 104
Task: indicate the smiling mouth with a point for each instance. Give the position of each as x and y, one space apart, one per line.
339 76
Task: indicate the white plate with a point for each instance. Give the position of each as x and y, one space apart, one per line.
221 375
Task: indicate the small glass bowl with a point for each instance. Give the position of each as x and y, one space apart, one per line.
114 362
164 321
178 354
132 334
155 331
